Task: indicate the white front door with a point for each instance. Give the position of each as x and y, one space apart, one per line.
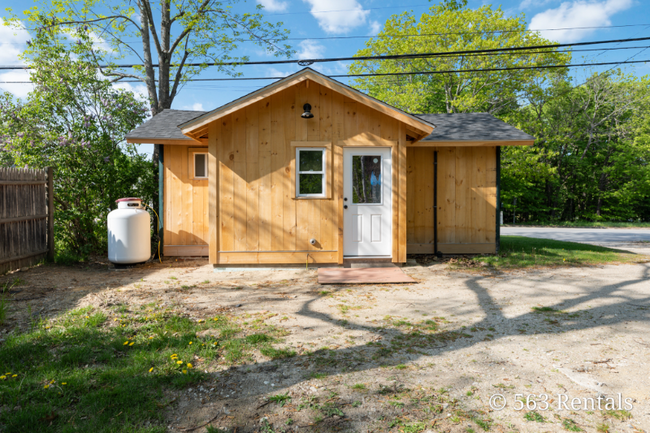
367 202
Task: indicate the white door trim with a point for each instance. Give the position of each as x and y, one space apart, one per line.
367 227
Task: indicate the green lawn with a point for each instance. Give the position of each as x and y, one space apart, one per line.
584 224
91 371
523 252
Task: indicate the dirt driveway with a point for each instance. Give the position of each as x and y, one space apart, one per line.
367 358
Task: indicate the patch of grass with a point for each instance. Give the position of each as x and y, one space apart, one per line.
570 425
620 415
92 372
523 252
584 224
280 399
274 353
534 416
317 375
545 310
359 386
603 428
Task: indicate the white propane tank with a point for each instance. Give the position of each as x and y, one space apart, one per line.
129 232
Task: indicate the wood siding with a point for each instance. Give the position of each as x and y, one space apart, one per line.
260 219
466 200
186 203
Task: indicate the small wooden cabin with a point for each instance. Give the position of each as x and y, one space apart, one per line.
308 169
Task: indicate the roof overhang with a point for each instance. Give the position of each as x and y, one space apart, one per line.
166 141
416 127
471 143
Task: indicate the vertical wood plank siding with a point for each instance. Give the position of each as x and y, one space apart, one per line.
186 220
260 220
24 223
466 200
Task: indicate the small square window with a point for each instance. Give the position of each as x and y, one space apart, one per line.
200 165
310 172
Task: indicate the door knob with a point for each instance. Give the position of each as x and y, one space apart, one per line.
345 206
345 199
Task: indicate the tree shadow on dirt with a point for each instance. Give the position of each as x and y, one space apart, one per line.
396 344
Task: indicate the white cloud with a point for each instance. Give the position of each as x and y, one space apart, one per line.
140 90
375 28
310 49
197 106
272 72
579 13
13 42
338 16
274 5
18 90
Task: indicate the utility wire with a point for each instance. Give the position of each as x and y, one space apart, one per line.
396 74
416 35
306 62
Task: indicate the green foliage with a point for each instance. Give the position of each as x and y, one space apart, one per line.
75 122
447 29
172 33
590 159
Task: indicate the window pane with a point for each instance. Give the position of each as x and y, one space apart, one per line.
366 179
311 160
199 165
310 184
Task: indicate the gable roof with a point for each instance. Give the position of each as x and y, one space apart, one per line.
197 126
163 128
472 127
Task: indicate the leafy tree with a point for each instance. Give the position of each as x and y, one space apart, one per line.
448 29
75 122
590 159
170 48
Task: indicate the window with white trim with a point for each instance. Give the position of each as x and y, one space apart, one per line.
200 165
311 172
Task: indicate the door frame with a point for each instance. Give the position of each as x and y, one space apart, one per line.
389 199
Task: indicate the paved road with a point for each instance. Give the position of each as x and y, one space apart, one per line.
589 236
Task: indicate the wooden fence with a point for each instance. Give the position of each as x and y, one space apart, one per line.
26 211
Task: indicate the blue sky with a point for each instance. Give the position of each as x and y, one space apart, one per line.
344 18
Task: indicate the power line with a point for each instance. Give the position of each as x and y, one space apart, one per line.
416 35
396 74
306 62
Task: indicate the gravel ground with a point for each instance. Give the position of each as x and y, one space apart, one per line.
365 361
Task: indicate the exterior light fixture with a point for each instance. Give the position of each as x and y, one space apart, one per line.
307 114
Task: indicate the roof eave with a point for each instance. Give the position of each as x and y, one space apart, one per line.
420 125
470 143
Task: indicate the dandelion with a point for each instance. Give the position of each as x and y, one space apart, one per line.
179 362
189 365
3 377
190 342
151 338
131 344
215 343
216 319
46 386
116 320
184 371
125 343
7 374
151 369
15 375
64 383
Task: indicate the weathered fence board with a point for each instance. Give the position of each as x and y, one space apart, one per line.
26 210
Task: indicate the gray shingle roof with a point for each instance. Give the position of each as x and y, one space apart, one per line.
471 127
449 127
164 125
